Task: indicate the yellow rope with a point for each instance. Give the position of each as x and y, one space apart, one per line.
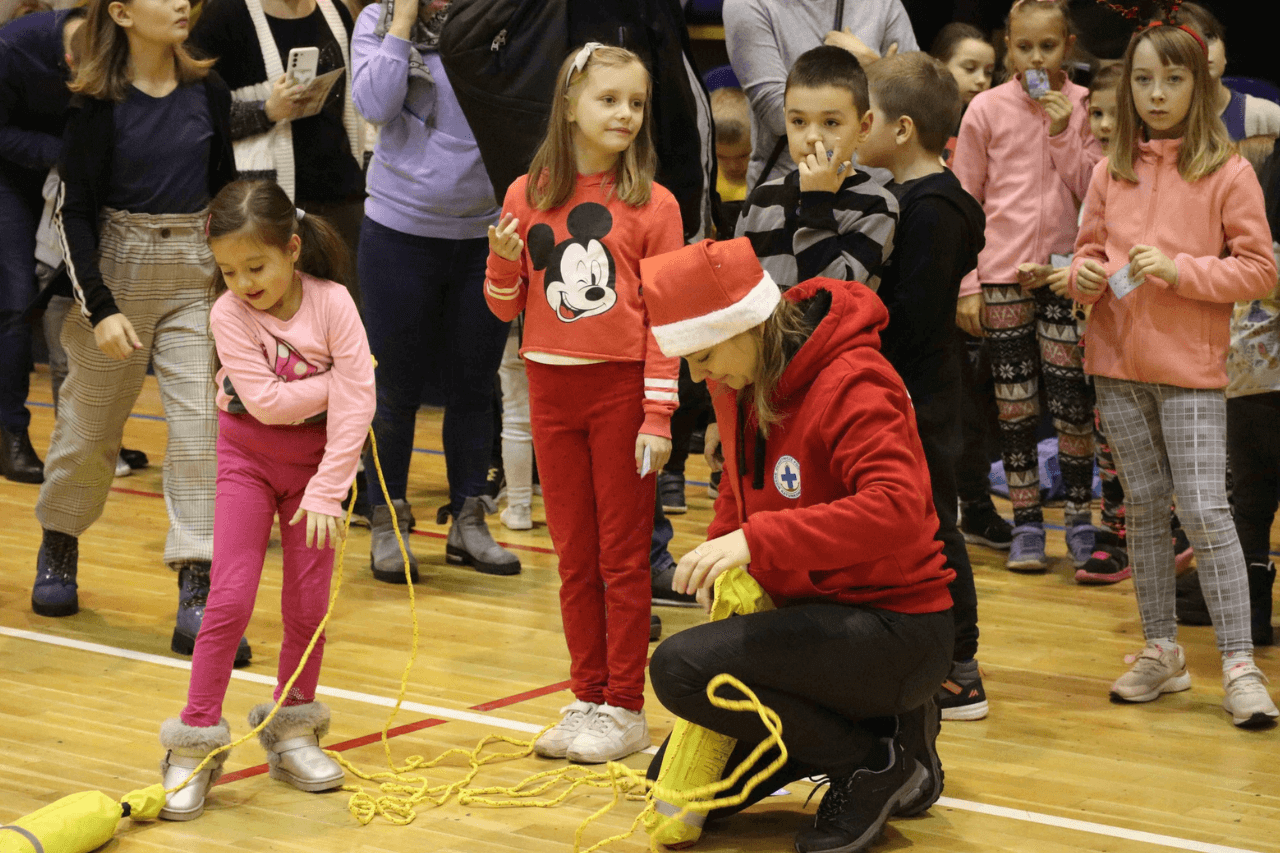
400 793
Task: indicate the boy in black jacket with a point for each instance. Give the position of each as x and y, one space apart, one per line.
915 104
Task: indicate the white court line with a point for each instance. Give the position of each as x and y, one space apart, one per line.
515 725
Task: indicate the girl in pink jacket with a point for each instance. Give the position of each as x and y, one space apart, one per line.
1174 233
295 398
1025 153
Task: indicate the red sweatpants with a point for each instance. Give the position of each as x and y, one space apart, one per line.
585 419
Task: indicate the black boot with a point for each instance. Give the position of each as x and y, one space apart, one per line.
18 460
918 738
54 592
193 593
856 807
1189 603
1261 578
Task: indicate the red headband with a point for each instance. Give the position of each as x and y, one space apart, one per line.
1182 27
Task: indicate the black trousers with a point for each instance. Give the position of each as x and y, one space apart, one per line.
1253 451
939 425
836 674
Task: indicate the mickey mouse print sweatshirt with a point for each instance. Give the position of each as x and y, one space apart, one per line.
578 282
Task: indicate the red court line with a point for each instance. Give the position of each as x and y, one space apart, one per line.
520 697
432 534
364 740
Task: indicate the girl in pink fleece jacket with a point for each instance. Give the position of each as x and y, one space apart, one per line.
295 398
1025 153
1174 233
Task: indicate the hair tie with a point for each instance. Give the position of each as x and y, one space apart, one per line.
580 60
299 212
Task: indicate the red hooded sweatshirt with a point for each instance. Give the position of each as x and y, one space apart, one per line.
836 502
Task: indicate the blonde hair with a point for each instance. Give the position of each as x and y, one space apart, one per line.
779 337
1205 143
553 172
103 71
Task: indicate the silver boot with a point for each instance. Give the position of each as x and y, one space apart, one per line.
471 544
186 747
292 742
384 551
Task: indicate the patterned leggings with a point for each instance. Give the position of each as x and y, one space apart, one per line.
1171 440
1030 334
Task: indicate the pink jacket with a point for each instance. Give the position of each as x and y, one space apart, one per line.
1030 184
1216 232
315 364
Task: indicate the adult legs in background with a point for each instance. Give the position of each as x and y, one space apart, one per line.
347 218
20 206
517 437
1254 451
979 521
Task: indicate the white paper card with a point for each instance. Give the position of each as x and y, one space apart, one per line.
1121 284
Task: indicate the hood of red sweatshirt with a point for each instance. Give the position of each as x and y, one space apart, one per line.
854 319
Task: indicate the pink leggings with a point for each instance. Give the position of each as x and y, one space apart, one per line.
262 470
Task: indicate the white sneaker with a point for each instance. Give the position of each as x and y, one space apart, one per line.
122 467
517 517
1154 672
610 734
1246 699
555 741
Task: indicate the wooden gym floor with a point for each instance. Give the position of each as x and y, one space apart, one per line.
1055 767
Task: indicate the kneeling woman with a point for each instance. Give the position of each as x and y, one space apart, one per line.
825 498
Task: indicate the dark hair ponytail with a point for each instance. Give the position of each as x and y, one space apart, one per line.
262 209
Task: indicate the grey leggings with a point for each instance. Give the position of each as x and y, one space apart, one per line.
1169 440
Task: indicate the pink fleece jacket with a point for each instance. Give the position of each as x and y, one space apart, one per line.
314 364
1030 184
1216 232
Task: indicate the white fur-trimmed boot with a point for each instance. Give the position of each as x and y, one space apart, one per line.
186 747
292 742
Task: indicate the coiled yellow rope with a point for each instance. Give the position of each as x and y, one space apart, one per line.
399 792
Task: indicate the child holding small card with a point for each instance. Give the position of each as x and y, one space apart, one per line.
1174 233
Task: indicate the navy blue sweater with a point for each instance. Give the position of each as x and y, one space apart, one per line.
34 98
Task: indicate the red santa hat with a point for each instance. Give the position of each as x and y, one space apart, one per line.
705 293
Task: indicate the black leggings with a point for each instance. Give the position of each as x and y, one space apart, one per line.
834 673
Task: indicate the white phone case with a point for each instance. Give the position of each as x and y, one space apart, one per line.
303 63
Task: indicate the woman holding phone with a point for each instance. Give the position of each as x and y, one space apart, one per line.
283 130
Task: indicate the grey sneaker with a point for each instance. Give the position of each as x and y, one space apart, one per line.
384 551
1081 541
1154 672
1026 553
1246 698
555 741
471 544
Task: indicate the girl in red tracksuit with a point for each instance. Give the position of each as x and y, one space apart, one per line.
567 253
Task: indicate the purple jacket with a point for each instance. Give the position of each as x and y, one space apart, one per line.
426 177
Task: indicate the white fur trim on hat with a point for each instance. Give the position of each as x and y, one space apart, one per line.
697 333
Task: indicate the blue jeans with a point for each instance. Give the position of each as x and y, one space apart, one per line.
427 321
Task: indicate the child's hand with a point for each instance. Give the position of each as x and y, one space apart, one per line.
969 315
1148 260
820 173
1059 108
659 451
504 241
697 571
1058 280
1033 276
1091 277
116 338
320 527
847 40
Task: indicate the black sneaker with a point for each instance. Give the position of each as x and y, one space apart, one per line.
856 807
713 485
671 491
982 525
360 513
664 595
961 696
135 459
918 737
655 627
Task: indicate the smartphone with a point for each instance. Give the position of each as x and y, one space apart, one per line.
1037 82
303 64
